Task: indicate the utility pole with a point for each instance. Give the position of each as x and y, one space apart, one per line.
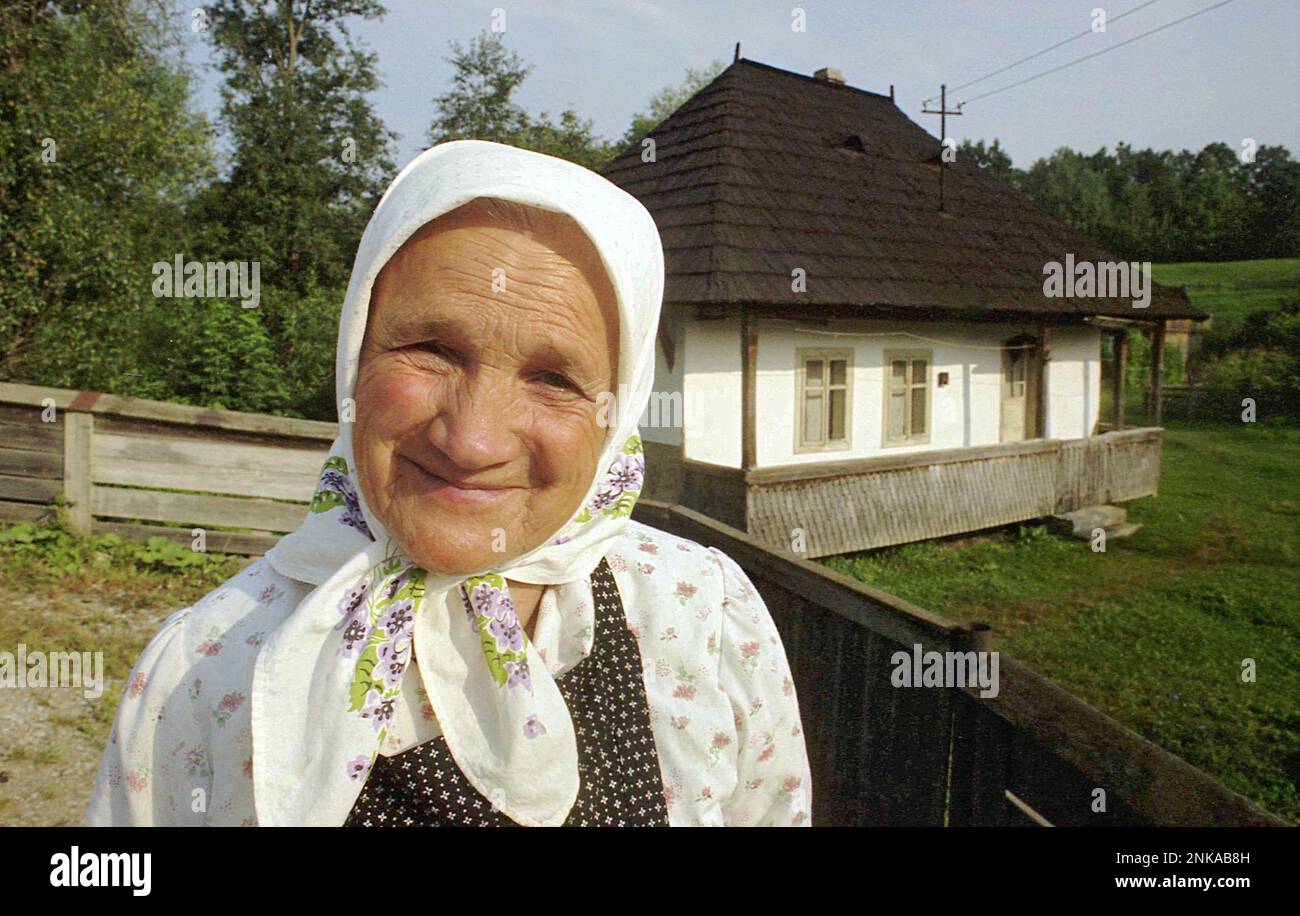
943 113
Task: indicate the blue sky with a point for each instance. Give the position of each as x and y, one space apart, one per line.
1230 74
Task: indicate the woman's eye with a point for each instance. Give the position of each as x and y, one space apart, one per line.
435 349
556 380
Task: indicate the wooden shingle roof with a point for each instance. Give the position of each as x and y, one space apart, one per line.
764 171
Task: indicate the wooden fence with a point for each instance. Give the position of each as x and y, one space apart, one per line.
143 468
1194 402
880 755
883 755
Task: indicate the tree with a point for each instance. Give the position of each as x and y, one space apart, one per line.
667 100
1067 185
98 150
993 159
479 106
1273 201
310 160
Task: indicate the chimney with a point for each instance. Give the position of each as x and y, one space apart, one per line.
829 75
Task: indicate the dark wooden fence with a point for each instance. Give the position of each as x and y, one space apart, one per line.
1192 402
884 755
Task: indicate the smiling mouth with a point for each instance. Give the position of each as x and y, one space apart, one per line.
459 491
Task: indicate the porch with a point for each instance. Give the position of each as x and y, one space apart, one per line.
844 506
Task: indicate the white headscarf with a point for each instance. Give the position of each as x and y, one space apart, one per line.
326 678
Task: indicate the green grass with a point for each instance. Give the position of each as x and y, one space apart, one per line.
1229 289
88 588
1154 631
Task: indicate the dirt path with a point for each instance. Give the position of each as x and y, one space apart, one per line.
51 739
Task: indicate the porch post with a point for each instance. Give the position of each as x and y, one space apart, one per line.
1044 360
1157 371
1118 387
748 390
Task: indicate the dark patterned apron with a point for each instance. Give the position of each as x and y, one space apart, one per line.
619 784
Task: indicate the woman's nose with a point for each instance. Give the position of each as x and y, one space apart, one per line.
473 427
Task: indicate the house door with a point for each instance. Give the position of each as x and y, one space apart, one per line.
1018 401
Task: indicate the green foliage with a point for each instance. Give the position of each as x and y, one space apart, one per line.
310 156
98 151
1257 357
50 551
668 99
1139 363
993 159
1162 205
214 353
479 106
310 160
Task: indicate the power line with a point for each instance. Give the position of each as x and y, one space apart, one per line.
1080 60
1083 34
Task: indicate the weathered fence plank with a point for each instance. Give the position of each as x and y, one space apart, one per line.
190 509
118 459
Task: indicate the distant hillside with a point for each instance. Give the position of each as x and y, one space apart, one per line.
1229 289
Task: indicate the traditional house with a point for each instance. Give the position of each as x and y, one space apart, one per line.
857 348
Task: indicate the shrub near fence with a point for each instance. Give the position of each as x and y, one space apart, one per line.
143 468
1189 402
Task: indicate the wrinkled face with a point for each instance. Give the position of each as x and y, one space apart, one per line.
476 433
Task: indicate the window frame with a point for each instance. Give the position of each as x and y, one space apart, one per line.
802 356
890 357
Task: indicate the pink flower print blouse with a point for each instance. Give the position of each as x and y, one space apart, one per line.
723 708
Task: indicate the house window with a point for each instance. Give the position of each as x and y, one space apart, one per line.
907 396
822 412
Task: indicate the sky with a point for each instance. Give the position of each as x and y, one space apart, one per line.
1229 75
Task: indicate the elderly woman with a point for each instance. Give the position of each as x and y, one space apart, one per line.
468 628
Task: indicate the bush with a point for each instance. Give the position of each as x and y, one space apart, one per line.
1257 358
49 551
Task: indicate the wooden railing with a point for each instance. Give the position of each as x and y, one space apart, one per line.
845 506
886 755
143 468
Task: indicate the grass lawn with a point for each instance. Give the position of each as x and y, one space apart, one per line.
1229 289
1154 631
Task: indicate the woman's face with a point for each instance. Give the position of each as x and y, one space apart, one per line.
486 348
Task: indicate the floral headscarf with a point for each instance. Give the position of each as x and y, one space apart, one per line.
328 677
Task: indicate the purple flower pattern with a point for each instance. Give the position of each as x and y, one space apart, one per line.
492 614
378 618
618 489
335 490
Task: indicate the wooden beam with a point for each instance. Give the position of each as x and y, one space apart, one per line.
1118 386
749 391
1112 324
166 412
877 464
78 470
1044 361
1157 372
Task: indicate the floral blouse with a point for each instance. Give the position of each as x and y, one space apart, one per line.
723 709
